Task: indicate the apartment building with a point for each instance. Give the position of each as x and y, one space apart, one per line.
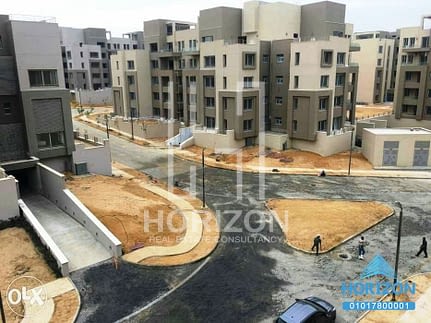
86 55
377 61
35 118
413 81
238 71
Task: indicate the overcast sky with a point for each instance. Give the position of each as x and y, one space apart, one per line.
120 16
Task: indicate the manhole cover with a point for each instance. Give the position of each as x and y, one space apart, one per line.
345 256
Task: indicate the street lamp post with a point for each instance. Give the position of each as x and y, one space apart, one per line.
397 257
203 178
107 125
131 120
351 150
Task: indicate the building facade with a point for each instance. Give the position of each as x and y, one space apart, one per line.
377 60
413 81
35 118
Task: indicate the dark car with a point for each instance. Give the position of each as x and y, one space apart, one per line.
309 310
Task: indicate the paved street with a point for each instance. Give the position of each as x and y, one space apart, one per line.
252 276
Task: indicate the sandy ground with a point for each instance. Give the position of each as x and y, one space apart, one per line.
423 283
19 258
283 159
121 205
66 306
367 111
334 220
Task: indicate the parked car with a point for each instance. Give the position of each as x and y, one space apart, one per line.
309 310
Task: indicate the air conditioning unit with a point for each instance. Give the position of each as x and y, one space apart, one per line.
81 169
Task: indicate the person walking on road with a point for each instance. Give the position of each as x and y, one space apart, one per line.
317 244
361 248
423 248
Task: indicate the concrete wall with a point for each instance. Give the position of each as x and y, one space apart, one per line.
53 184
221 143
97 158
372 147
8 197
405 123
159 129
325 145
277 141
61 259
102 96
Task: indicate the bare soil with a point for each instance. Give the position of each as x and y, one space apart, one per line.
66 307
249 159
121 204
334 220
423 283
20 258
368 111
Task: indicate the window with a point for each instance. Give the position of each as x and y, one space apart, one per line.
70 65
69 54
209 102
94 55
341 58
324 81
206 39
95 75
95 64
209 81
409 59
118 80
154 63
248 103
156 96
280 58
265 79
405 42
103 55
379 62
224 82
154 47
131 65
380 49
104 65
210 122
404 59
248 82
429 93
209 61
154 80
278 121
296 81
295 125
249 60
425 42
412 42
193 62
323 103
322 125
105 75
409 109
428 110
338 101
297 57
50 140
295 102
278 100
326 58
43 77
224 100
130 79
224 60
247 125
82 65
118 65
339 79
81 54
265 59
279 79
132 95
192 99
7 108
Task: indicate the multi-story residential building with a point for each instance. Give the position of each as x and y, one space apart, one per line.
35 118
413 82
86 55
234 71
377 60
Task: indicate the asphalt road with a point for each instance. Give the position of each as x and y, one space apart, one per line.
253 275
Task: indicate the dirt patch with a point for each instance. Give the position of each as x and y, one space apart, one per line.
334 220
121 204
423 285
249 159
17 262
66 307
368 111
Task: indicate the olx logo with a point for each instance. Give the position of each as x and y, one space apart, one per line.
25 289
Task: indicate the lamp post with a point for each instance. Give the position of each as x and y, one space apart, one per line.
131 120
397 257
203 178
351 150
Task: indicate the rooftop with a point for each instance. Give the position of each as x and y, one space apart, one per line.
399 131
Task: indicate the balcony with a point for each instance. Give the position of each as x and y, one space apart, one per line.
415 49
411 84
410 100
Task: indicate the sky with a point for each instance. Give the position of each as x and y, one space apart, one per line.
121 16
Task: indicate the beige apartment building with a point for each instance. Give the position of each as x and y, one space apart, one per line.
376 59
413 83
235 73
